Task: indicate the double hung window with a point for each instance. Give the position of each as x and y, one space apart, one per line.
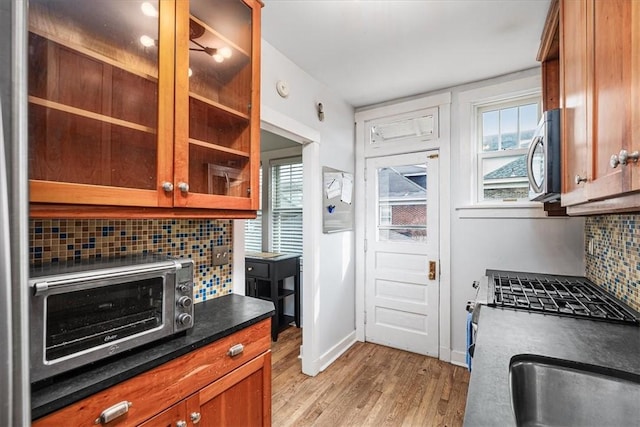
503 137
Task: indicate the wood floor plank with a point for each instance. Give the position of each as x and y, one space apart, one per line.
369 385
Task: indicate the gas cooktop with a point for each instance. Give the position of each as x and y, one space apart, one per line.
561 295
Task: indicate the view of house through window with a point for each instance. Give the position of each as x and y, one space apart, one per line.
402 203
282 216
505 133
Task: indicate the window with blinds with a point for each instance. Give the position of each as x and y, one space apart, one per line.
286 205
253 227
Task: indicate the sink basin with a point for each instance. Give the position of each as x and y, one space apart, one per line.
556 392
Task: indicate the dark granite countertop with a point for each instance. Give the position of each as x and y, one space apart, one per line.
503 333
214 319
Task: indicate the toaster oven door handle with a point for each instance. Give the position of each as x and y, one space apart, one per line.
83 280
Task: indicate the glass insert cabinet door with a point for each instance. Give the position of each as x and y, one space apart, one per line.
215 116
93 105
144 103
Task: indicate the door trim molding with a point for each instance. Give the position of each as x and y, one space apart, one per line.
289 128
443 144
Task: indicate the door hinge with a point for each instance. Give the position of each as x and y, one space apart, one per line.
433 156
365 245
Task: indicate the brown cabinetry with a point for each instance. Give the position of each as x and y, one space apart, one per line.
139 108
207 387
599 43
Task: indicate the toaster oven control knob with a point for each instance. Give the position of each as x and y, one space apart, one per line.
183 288
184 302
184 319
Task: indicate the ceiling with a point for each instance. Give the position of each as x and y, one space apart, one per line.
371 51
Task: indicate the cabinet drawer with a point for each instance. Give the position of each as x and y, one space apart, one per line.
257 269
156 390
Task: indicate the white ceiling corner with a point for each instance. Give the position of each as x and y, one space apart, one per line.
372 51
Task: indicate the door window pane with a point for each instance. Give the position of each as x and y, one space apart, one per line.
402 203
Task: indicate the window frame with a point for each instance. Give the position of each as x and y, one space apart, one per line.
274 163
524 84
481 155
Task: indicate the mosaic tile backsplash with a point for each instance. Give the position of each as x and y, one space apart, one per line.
615 262
54 240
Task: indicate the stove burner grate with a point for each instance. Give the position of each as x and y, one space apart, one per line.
560 295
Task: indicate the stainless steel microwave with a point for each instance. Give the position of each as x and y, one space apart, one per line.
82 312
543 159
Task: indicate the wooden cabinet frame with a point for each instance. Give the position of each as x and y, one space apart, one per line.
57 198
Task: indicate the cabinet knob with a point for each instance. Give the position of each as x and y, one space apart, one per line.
181 423
579 179
184 187
625 157
614 161
195 417
167 186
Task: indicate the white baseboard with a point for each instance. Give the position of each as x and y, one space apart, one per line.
336 351
444 354
459 358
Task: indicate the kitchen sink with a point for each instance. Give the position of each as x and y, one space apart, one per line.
555 392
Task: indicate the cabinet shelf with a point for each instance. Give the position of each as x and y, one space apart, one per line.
218 147
219 106
143 70
89 114
217 35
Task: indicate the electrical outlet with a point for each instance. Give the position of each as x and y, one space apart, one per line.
220 255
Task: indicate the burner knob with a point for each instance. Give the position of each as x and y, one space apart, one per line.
475 284
470 306
184 319
184 302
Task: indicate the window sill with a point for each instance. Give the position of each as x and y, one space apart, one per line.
493 210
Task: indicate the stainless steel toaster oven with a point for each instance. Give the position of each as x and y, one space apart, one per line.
85 311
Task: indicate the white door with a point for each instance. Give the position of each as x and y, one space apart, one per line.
402 268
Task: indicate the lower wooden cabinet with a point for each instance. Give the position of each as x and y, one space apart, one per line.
241 398
207 387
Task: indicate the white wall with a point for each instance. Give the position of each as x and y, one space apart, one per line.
333 308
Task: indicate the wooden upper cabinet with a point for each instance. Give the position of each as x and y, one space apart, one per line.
599 76
635 92
144 104
575 87
611 96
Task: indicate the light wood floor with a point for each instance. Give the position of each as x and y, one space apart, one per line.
368 385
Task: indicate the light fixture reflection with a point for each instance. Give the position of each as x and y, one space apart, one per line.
225 52
217 57
149 9
190 72
147 41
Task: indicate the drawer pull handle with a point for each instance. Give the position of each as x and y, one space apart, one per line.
113 412
235 350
